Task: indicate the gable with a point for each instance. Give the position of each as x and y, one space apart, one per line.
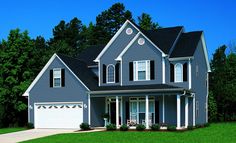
45 68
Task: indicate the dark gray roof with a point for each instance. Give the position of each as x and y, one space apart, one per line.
81 70
186 45
89 54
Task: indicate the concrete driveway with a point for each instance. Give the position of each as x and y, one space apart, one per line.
30 134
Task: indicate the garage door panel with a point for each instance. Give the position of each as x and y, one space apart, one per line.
58 115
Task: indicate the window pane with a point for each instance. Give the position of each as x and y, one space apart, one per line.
142 107
178 73
57 73
141 65
141 75
110 73
57 82
151 106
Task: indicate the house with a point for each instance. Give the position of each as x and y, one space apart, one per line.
139 77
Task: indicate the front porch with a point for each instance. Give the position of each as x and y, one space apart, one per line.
162 109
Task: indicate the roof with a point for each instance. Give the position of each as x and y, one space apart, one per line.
186 45
90 53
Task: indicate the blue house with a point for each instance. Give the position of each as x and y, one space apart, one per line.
139 77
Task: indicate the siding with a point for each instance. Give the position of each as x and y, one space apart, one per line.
73 91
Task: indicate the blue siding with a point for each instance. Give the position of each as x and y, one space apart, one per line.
73 91
97 110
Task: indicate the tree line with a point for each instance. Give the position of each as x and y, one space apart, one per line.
22 58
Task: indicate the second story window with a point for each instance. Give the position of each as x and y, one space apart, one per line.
56 77
110 74
141 70
178 72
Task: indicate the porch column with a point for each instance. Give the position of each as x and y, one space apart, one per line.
163 108
193 110
89 114
186 112
178 112
147 113
121 110
117 111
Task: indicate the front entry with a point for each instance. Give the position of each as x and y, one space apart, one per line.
113 112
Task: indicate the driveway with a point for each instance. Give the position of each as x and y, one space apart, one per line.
30 134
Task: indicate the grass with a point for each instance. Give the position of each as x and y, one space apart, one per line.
9 130
216 133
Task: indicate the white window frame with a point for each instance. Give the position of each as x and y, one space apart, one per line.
147 70
107 74
181 80
56 69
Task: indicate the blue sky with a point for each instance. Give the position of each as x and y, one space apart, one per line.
217 18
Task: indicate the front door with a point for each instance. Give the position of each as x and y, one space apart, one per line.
113 112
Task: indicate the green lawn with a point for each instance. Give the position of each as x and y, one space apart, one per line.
9 130
216 133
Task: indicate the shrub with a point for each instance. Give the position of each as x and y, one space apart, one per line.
84 126
124 127
171 128
206 124
190 127
155 127
140 127
29 125
111 127
198 126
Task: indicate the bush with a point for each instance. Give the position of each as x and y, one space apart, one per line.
199 126
190 127
124 127
29 125
111 127
212 107
140 127
155 127
206 124
84 126
171 128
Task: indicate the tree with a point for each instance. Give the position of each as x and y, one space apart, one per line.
109 21
16 75
146 23
212 107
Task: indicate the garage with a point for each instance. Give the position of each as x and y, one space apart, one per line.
58 115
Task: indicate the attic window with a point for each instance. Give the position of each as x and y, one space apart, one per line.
129 31
141 41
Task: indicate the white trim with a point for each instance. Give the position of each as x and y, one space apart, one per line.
111 41
89 110
99 74
121 110
163 108
117 111
127 47
107 73
181 72
121 75
194 110
205 53
147 71
39 75
28 109
189 74
180 58
186 111
163 71
178 112
207 97
147 112
44 69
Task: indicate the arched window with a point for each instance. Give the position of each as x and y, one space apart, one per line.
110 74
178 72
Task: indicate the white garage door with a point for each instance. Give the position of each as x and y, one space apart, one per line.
58 115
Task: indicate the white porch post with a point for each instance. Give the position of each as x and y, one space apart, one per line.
163 109
121 110
117 111
178 112
89 110
193 110
186 112
147 113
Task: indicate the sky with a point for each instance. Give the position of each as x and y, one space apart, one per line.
217 18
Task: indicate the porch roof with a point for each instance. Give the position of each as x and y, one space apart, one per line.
152 88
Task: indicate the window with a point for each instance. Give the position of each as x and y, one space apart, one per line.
110 74
129 31
178 72
141 41
197 109
141 70
56 77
